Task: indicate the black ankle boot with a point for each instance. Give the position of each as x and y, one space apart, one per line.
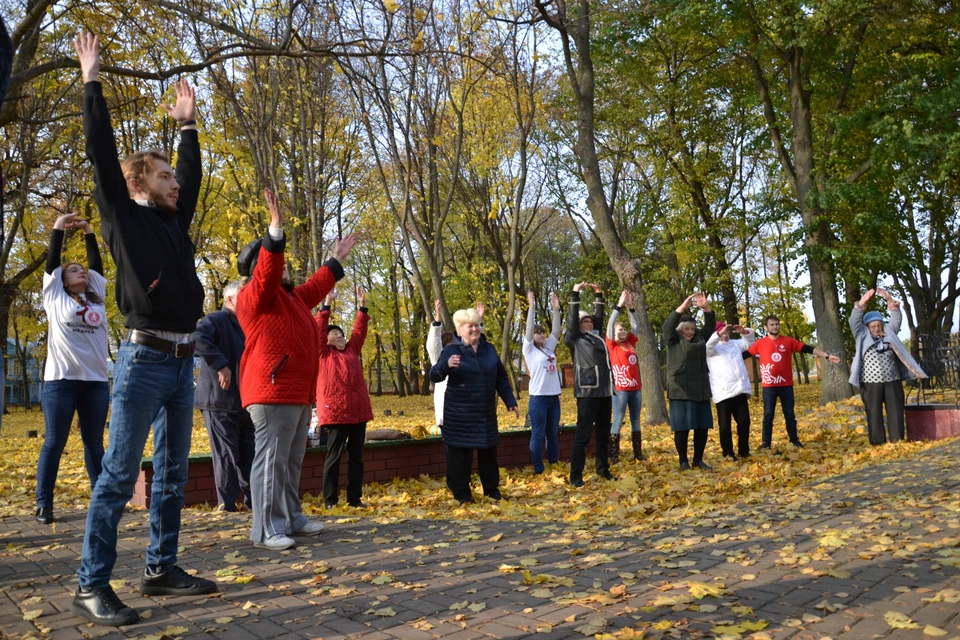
614 448
44 515
102 606
637 446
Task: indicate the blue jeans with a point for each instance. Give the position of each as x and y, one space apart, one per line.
770 395
60 400
149 386
622 400
544 423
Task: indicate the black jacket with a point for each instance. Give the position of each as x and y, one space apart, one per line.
220 343
592 375
470 401
157 283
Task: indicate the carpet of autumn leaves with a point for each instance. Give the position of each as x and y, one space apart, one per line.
652 489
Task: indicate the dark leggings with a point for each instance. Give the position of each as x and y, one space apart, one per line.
699 444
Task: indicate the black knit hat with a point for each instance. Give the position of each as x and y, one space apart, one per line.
247 260
333 327
686 319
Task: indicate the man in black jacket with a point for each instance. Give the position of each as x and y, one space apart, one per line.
220 344
592 384
145 212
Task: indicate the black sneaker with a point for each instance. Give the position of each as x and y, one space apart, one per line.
703 466
765 445
102 606
606 475
684 466
175 582
496 497
577 482
44 515
797 444
358 504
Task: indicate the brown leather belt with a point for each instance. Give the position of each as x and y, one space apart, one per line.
176 349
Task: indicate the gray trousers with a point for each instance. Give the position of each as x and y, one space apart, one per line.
281 440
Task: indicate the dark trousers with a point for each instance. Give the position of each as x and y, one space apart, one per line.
875 397
460 466
593 416
770 395
232 449
352 437
737 408
60 400
681 438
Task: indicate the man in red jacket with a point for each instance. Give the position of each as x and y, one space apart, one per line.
343 403
278 374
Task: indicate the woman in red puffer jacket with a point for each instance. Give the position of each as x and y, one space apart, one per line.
277 376
343 403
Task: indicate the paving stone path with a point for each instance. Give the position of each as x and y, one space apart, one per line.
859 557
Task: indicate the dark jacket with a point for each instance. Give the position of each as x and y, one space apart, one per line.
470 402
157 283
220 344
592 375
687 375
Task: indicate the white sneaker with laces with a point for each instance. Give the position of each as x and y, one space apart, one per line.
309 529
277 543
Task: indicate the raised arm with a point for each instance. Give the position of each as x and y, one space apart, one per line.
713 341
6 59
856 316
111 188
531 317
573 315
611 323
359 334
896 316
556 328
670 335
748 337
598 306
323 322
312 292
94 259
189 166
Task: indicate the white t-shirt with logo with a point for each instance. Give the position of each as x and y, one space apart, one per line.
542 365
77 336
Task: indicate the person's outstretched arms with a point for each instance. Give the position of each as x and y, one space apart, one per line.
325 279
573 315
531 317
434 337
265 280
359 334
557 324
189 166
111 187
856 316
896 316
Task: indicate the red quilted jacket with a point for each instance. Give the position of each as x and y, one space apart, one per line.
342 396
279 363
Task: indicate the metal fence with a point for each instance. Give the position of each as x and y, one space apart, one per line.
939 355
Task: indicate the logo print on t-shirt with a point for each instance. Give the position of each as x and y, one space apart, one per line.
632 359
776 357
92 317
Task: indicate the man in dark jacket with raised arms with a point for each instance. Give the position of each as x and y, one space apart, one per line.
145 211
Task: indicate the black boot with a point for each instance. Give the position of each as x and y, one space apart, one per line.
175 582
637 446
614 448
102 606
44 515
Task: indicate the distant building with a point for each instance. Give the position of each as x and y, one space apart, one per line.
13 385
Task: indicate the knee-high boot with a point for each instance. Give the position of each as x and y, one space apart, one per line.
614 448
637 445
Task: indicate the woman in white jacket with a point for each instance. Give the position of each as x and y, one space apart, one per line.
730 385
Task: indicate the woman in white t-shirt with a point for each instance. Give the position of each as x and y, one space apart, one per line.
539 352
75 377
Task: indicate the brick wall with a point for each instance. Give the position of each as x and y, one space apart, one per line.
932 421
382 462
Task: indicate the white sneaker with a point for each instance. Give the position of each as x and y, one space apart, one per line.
309 529
277 543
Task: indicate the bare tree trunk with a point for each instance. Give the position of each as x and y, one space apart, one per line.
627 267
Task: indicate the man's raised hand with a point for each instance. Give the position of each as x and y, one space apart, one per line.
342 247
186 107
87 46
273 206
361 296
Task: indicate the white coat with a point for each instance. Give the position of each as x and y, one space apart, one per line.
434 347
728 374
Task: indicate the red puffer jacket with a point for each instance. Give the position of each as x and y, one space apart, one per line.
279 363
342 396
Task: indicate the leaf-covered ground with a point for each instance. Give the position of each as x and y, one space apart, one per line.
653 489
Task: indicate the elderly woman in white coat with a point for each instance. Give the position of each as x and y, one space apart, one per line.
880 366
730 386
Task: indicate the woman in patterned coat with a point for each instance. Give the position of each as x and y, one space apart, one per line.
880 366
